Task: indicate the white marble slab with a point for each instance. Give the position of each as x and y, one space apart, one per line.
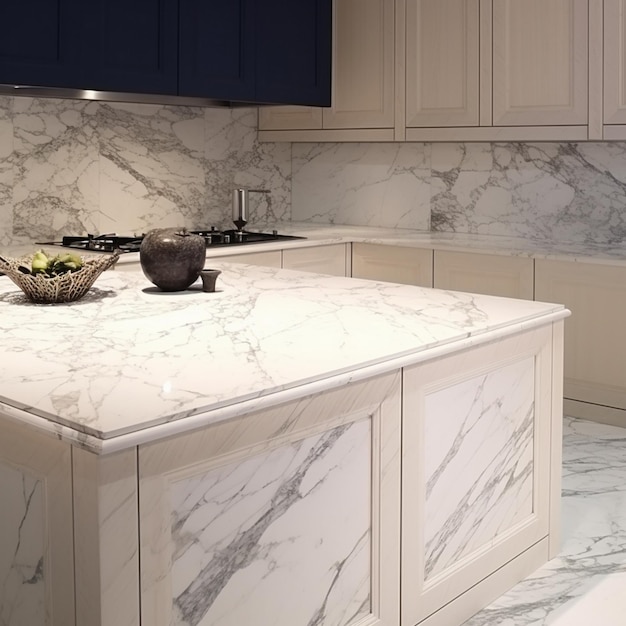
22 569
479 464
584 584
253 545
128 356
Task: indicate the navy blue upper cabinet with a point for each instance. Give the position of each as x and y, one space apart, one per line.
293 51
216 48
37 46
266 51
130 45
105 45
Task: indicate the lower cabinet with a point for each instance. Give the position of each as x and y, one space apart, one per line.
595 337
477 454
409 266
36 542
285 516
332 259
271 258
489 274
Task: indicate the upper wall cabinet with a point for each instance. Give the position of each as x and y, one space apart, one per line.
256 50
362 86
241 50
484 70
614 70
104 45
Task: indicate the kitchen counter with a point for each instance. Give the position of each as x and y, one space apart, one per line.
291 449
130 358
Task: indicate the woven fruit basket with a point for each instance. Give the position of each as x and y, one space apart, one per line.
65 287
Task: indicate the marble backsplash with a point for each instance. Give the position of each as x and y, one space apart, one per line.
567 192
76 167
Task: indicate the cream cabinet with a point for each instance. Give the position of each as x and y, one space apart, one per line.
595 335
363 97
614 69
442 51
270 258
512 69
494 275
333 259
409 266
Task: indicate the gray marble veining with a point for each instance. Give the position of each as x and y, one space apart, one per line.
233 548
22 584
584 584
76 167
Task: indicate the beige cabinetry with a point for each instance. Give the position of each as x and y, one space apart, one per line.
490 274
333 259
442 52
363 82
363 100
512 69
409 266
270 258
614 69
595 335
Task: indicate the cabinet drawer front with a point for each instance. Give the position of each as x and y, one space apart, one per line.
320 259
407 266
493 275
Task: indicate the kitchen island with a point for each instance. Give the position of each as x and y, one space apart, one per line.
291 449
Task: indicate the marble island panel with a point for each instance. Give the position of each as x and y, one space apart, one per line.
128 357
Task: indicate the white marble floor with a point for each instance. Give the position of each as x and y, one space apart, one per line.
586 584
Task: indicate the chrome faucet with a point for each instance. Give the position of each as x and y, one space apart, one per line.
240 205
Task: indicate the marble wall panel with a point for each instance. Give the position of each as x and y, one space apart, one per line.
479 467
22 584
76 167
549 191
362 184
279 538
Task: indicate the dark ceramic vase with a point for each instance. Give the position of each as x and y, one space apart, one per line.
172 258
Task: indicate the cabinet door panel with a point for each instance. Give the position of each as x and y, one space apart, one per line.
614 62
540 62
493 275
270 258
130 46
595 339
442 63
35 46
293 59
407 266
320 259
216 47
363 76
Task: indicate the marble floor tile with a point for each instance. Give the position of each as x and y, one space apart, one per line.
585 585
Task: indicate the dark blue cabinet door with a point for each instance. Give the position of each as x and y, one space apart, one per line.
293 51
129 45
273 51
216 49
107 45
38 45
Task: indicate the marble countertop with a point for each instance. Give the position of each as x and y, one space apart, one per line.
326 234
129 363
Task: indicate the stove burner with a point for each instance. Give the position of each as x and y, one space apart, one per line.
212 237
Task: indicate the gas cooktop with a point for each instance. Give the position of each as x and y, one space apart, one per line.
212 237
